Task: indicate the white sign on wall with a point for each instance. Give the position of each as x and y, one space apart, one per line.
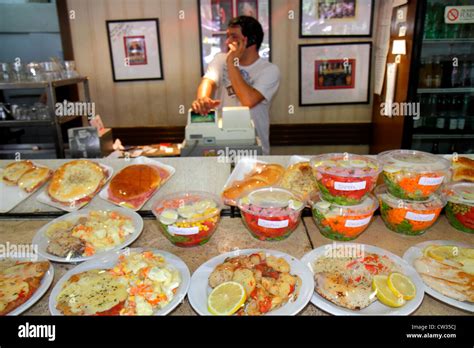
459 14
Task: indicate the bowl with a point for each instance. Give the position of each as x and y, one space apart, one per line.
406 216
413 175
345 179
188 219
342 223
271 213
460 206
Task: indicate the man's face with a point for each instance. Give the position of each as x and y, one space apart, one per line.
234 34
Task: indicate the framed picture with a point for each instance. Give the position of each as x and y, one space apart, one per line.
214 16
336 18
135 50
332 74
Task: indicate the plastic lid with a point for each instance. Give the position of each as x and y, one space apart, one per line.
460 192
368 206
434 202
345 164
276 200
189 206
413 161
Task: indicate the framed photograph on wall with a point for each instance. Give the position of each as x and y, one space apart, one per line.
336 18
333 74
214 15
135 50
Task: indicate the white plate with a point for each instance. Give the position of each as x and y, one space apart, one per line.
416 251
376 308
110 260
104 194
44 285
41 240
12 195
200 289
43 197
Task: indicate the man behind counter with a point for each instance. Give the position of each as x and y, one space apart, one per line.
241 78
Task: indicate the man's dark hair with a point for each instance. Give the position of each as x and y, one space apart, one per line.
251 28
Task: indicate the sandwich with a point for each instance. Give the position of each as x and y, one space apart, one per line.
463 169
34 178
134 184
13 172
76 182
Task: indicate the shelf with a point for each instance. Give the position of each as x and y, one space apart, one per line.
448 41
65 119
43 84
445 90
32 123
442 136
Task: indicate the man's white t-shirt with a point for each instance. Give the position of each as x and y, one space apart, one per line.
261 75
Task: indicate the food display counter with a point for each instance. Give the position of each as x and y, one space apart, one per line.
20 225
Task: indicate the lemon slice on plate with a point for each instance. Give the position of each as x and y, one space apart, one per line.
402 286
426 250
226 298
384 293
467 252
443 252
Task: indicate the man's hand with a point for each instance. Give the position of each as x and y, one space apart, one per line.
204 105
236 50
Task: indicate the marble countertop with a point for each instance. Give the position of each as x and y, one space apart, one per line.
231 234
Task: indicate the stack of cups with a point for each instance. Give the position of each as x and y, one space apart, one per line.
344 206
409 201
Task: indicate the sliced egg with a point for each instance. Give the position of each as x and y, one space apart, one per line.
358 163
323 205
186 211
201 206
168 216
294 204
391 169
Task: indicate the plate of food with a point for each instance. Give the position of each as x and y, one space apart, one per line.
248 175
23 281
135 281
447 269
88 234
20 179
251 282
299 177
74 184
359 279
135 184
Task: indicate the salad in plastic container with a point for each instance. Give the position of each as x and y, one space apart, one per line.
345 179
188 219
413 175
408 217
340 222
271 213
460 207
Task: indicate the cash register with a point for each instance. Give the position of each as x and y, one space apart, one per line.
233 127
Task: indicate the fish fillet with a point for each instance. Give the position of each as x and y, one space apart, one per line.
449 289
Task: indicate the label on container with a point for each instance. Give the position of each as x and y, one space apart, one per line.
183 231
419 217
273 224
357 223
350 186
427 181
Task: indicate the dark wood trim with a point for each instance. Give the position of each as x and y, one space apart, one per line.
280 134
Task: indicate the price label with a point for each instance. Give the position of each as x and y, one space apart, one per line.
273 224
357 223
183 231
419 217
427 181
350 186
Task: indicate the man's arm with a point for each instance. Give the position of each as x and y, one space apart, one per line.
204 103
247 95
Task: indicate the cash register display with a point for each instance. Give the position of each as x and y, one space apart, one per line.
209 118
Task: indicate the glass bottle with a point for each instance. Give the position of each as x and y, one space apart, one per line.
437 73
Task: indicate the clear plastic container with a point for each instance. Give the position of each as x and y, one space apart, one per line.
460 206
413 175
188 219
345 179
271 213
343 223
406 216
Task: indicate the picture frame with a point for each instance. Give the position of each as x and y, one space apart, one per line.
135 49
336 18
214 15
334 73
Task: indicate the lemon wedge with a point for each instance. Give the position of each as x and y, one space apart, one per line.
401 285
384 293
467 252
443 252
426 251
226 298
